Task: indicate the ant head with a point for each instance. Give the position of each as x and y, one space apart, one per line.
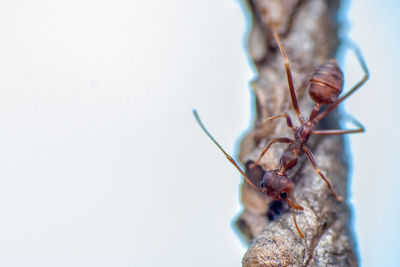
279 187
326 83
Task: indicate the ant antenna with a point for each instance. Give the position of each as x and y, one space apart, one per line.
295 207
295 224
197 117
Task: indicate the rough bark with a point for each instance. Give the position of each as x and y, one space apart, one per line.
308 29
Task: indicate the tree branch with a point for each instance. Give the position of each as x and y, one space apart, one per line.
308 29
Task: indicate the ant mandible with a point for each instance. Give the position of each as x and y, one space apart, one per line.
325 87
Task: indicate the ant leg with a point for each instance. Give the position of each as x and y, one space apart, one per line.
196 116
332 132
317 170
360 129
289 76
354 88
273 141
284 114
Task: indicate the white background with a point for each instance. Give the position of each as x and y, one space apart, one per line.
101 161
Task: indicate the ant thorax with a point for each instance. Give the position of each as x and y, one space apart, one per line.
289 158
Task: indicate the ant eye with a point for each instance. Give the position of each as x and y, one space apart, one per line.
262 184
283 195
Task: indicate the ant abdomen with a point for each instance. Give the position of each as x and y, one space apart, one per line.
326 83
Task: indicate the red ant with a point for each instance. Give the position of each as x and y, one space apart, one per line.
325 87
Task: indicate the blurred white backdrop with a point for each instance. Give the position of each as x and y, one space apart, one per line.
101 161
